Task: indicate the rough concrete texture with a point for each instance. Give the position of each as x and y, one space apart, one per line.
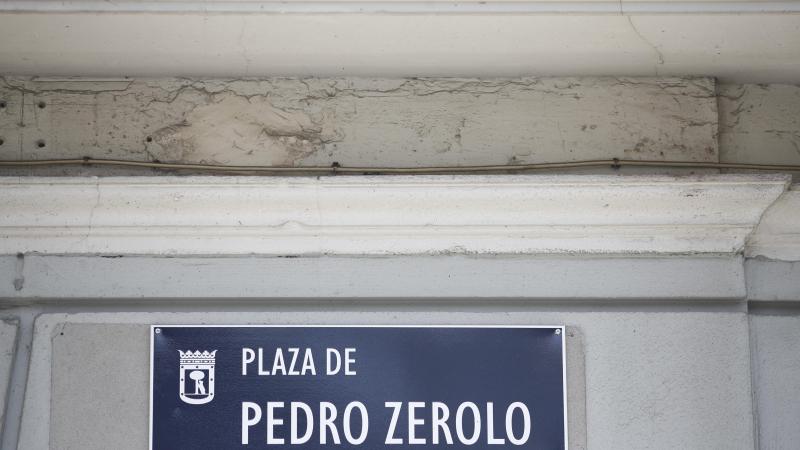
360 122
86 367
776 372
654 380
759 123
8 336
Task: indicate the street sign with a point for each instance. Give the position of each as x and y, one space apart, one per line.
370 387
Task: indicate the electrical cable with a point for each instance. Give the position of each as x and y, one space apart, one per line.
335 168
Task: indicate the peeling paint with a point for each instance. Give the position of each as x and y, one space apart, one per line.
236 130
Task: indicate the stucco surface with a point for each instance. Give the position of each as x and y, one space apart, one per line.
776 373
8 334
654 380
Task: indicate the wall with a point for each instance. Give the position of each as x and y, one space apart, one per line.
635 397
685 337
671 356
759 123
776 371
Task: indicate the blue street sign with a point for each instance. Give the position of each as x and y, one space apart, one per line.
317 387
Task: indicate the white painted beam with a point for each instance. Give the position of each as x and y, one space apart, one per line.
428 215
760 46
404 7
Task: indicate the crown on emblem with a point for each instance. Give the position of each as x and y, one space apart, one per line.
197 357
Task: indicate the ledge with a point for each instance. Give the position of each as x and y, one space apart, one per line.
244 279
486 215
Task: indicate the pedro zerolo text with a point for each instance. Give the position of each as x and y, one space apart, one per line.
467 423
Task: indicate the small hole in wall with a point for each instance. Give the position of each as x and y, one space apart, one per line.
2 141
41 105
2 103
40 143
149 139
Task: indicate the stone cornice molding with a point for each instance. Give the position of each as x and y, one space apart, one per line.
486 215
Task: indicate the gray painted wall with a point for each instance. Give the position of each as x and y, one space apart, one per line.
657 374
660 378
775 339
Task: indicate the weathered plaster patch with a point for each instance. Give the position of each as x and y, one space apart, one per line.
760 123
237 130
363 122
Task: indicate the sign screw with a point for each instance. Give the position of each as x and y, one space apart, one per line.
558 331
158 330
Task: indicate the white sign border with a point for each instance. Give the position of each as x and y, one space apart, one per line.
563 329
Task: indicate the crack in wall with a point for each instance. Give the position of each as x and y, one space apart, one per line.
247 60
659 55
